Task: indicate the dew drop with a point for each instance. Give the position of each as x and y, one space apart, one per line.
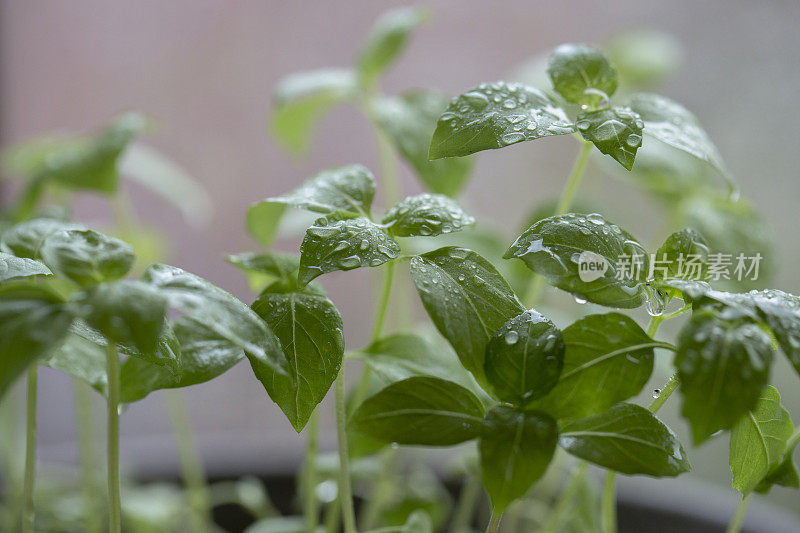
656 393
579 299
512 337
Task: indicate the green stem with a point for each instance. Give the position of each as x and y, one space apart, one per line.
382 491
665 393
30 449
191 463
383 305
333 513
609 511
345 490
738 518
114 511
83 417
564 501
564 204
310 507
494 522
465 509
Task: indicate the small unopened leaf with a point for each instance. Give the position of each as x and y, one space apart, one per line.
87 257
337 243
309 329
387 39
758 441
426 215
515 449
608 358
628 439
615 131
582 74
13 267
495 115
409 121
349 188
424 411
33 321
264 268
724 365
300 100
524 358
586 255
467 299
671 123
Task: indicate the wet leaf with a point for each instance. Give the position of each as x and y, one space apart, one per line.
628 439
524 358
683 255
26 238
426 215
608 358
337 243
495 115
582 74
615 131
467 300
614 264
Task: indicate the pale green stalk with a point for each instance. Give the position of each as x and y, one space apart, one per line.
609 510
467 500
30 450
494 522
738 518
114 508
345 489
310 507
83 415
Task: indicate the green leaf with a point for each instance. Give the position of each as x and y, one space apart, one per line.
33 321
204 355
423 411
426 215
494 116
644 58
309 329
614 264
26 238
723 363
84 359
582 74
262 269
217 311
524 358
128 312
168 180
300 100
338 243
92 163
615 131
628 439
87 257
349 189
409 121
671 123
387 40
467 299
683 255
405 355
608 358
783 474
758 441
263 220
515 449
13 267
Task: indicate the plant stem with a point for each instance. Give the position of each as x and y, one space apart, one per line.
494 522
465 509
383 305
30 449
609 513
114 511
310 507
563 206
665 393
345 490
191 463
738 518
383 489
83 415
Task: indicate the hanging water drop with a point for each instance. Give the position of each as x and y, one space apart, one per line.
512 337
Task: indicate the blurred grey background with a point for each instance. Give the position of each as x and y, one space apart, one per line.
206 68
